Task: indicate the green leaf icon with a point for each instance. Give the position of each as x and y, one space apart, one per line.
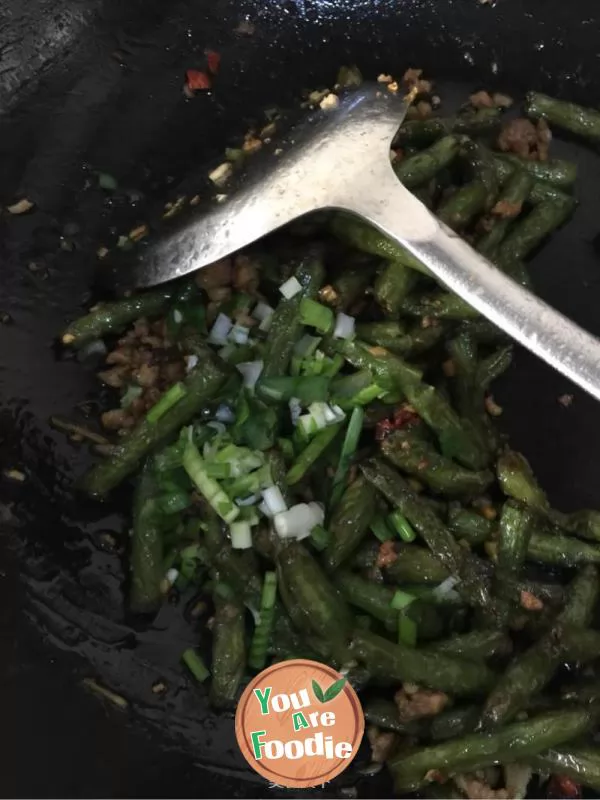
335 688
318 692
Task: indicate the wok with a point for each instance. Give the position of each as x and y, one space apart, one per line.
96 84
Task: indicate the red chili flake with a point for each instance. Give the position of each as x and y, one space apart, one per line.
196 80
561 786
213 59
382 429
405 415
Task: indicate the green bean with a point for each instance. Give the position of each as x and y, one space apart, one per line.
539 223
578 761
463 205
517 480
415 564
494 365
239 569
286 325
483 331
515 531
393 337
509 205
389 371
476 645
113 317
423 131
398 662
585 523
516 742
350 522
146 546
367 239
562 551
350 286
436 535
576 119
532 670
482 170
417 169
375 599
470 525
557 171
582 691
540 191
454 722
393 284
439 305
414 455
314 604
229 651
458 437
385 714
202 385
580 645
313 451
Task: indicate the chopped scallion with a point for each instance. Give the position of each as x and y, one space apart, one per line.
166 402
402 526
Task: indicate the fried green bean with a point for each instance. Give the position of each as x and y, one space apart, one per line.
516 742
531 231
389 371
515 529
113 317
417 169
375 599
350 522
562 551
286 326
580 762
463 205
202 385
367 239
393 284
423 131
314 604
397 662
470 525
415 564
385 714
556 171
482 170
439 305
457 561
412 454
571 117
349 287
494 365
517 480
394 337
509 205
530 671
476 645
146 546
229 650
541 191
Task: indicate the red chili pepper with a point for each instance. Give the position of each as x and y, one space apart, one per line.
561 786
213 60
196 80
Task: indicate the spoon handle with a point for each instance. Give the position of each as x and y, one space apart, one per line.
523 316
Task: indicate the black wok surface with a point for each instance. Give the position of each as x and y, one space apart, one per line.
96 84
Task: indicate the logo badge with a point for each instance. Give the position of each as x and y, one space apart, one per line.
299 724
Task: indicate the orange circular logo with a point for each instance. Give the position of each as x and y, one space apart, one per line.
299 723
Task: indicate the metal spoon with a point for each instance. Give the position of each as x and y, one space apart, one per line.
339 159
